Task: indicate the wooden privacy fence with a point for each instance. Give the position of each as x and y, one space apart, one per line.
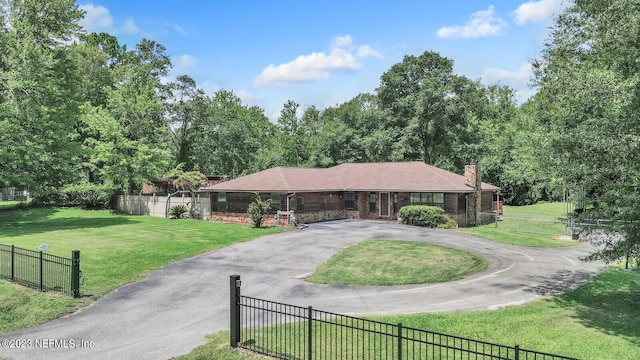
41 271
155 205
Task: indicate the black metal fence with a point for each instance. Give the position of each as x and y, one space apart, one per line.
292 332
39 270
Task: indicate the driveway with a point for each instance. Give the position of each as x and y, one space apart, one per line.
169 312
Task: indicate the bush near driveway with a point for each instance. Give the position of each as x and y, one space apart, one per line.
426 216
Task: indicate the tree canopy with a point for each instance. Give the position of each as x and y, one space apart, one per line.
78 108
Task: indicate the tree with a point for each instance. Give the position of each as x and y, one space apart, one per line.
191 181
231 137
589 105
292 140
39 95
430 104
185 109
128 135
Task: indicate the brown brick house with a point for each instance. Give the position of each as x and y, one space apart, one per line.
352 190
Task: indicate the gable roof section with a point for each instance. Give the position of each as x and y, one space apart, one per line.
390 176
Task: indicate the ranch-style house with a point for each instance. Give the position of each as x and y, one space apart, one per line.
353 191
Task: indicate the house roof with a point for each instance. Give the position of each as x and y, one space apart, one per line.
388 176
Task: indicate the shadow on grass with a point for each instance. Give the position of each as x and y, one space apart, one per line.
36 221
608 304
613 311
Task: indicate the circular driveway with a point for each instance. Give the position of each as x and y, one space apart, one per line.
169 312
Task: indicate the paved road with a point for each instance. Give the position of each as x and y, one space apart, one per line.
169 313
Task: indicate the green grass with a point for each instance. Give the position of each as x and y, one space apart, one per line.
508 236
217 347
555 209
115 249
396 262
519 226
7 205
598 321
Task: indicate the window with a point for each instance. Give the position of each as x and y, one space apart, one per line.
323 202
430 199
372 202
275 201
222 201
349 201
300 204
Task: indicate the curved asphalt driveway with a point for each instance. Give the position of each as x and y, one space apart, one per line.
169 313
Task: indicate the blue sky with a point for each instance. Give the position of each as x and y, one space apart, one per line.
324 53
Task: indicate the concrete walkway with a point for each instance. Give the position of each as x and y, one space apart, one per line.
169 313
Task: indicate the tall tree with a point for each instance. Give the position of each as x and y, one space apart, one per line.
292 139
430 104
186 106
39 97
129 133
589 102
231 137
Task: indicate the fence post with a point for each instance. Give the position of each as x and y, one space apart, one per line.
41 272
234 303
517 353
13 262
75 273
495 218
399 341
310 334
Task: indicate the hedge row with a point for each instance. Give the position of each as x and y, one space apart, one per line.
426 216
86 196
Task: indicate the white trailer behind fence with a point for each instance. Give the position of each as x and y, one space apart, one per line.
154 205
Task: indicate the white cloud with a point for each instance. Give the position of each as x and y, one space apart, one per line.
306 68
248 97
367 51
342 41
129 27
179 29
186 61
481 24
514 78
317 65
209 87
536 11
517 79
96 17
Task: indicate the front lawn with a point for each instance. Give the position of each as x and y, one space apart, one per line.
531 225
115 249
396 262
598 321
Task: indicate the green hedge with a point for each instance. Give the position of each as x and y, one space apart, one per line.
426 216
85 195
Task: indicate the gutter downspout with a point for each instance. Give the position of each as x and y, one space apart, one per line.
288 197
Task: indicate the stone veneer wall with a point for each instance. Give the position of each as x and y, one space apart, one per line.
240 218
301 218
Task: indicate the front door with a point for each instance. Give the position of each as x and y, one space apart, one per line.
384 204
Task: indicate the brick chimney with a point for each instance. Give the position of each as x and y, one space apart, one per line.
473 179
